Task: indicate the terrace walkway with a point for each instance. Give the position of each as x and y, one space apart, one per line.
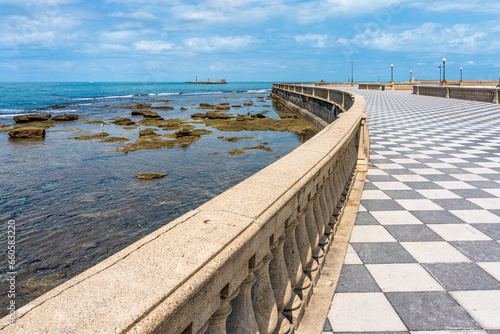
424 254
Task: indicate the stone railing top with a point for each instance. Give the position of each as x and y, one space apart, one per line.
177 271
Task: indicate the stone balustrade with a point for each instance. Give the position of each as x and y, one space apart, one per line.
245 262
482 94
376 86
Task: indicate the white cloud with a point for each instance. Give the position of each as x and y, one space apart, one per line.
318 41
217 43
113 47
118 35
429 37
135 15
154 46
476 6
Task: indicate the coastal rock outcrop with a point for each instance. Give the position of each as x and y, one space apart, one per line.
216 115
27 132
31 118
147 132
150 176
185 133
123 121
65 117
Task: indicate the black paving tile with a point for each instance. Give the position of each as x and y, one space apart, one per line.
491 230
365 218
437 217
456 204
427 311
382 252
356 278
404 194
479 251
412 233
381 204
461 276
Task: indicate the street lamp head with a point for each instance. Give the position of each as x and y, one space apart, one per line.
444 60
460 68
392 65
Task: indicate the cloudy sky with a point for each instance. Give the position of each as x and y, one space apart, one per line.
246 40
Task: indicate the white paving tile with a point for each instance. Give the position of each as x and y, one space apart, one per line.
493 268
376 171
487 203
481 171
458 232
434 252
418 204
351 256
477 216
391 186
395 217
410 178
440 165
377 315
374 194
371 233
468 177
437 193
494 192
403 277
484 306
389 166
426 171
454 185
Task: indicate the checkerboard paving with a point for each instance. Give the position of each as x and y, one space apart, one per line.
424 254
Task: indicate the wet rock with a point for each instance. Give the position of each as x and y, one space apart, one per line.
163 107
234 152
248 104
259 115
236 106
243 118
71 117
123 121
89 137
206 106
234 139
137 106
223 107
27 132
147 132
59 107
150 176
31 118
216 115
259 147
199 115
185 133
182 108
114 139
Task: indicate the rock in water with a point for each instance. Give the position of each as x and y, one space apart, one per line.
150 176
123 121
147 132
27 132
31 118
65 117
185 133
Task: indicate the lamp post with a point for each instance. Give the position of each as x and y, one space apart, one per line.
411 72
352 71
461 81
379 78
439 68
444 71
392 73
349 77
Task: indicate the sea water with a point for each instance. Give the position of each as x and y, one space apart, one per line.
77 202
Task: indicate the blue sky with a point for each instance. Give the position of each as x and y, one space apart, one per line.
247 40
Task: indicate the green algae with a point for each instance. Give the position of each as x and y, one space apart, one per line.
234 139
90 137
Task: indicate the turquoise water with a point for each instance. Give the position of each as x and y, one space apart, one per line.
77 202
25 97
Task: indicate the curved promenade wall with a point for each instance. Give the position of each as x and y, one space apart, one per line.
245 262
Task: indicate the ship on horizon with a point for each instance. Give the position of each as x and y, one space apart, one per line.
221 82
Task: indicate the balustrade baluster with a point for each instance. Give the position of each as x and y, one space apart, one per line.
280 282
309 266
242 318
264 304
217 322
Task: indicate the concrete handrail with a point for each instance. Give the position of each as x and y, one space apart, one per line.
244 262
483 94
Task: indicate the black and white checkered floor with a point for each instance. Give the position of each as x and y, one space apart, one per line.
424 254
